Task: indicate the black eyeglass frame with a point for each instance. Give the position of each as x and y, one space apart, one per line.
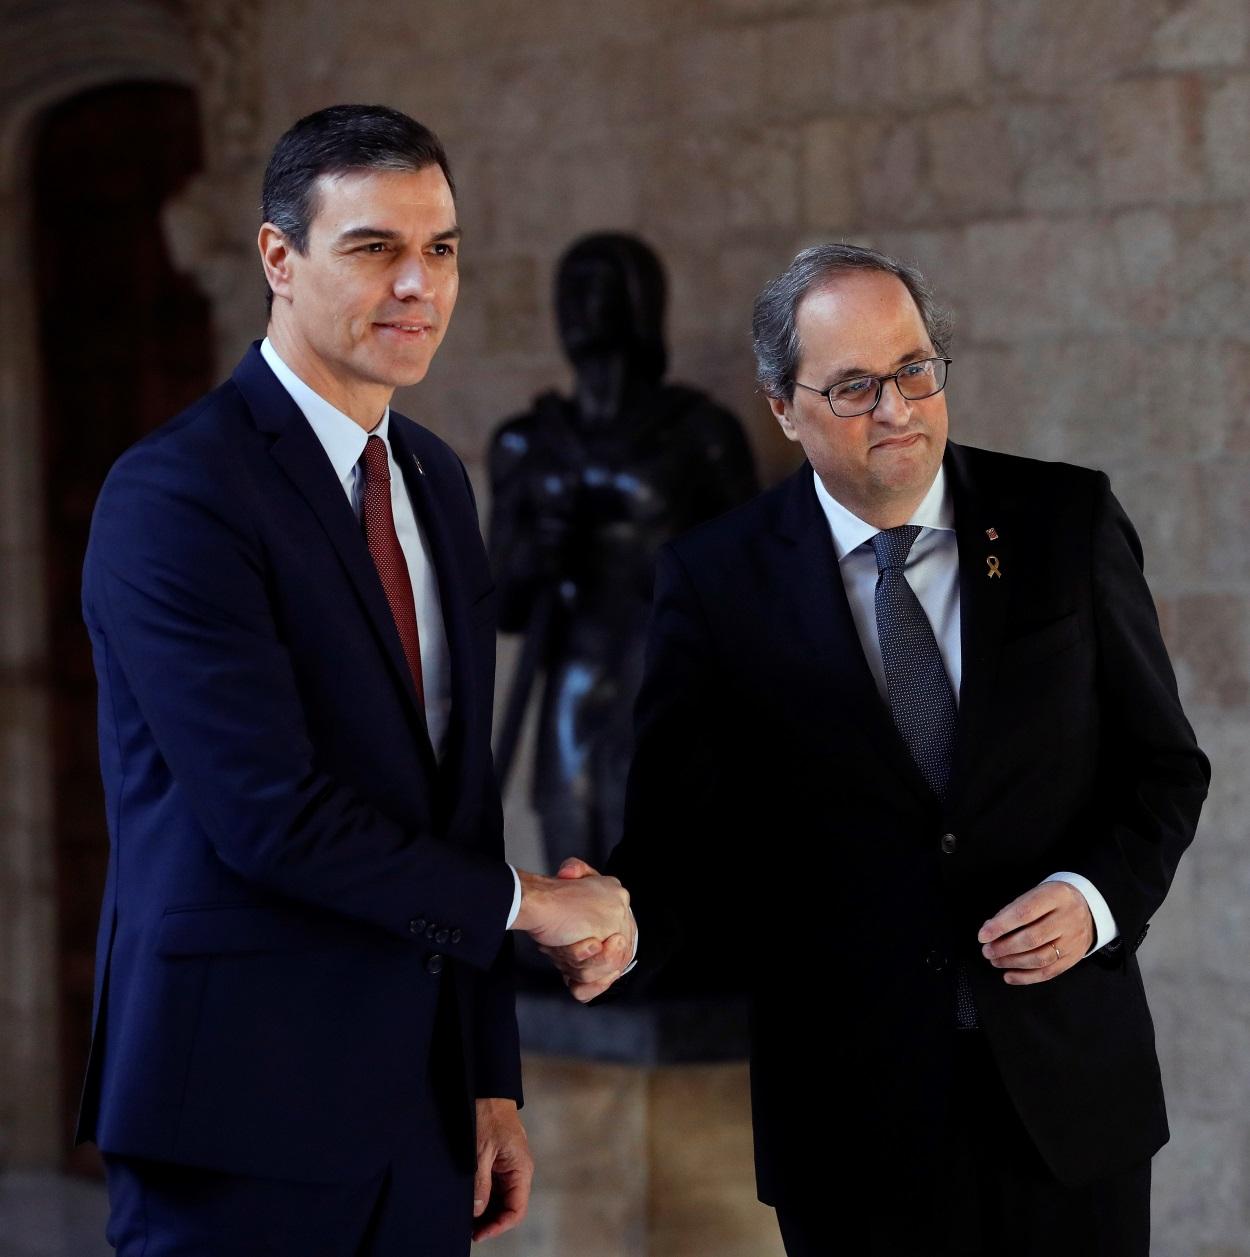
880 382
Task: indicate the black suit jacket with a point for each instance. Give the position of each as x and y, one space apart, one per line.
301 951
776 822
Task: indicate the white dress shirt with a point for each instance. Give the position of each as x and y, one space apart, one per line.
932 571
344 443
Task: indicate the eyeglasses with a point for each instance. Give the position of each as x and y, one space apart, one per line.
915 381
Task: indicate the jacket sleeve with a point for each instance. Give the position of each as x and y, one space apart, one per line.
176 580
676 856
1156 776
497 1050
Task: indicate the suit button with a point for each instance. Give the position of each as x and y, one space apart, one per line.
434 964
949 843
416 925
431 932
442 936
456 936
935 960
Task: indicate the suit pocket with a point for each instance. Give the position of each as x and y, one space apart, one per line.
1040 643
224 929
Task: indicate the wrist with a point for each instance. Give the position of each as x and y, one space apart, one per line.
534 893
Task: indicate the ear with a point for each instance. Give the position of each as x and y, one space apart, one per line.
781 412
275 256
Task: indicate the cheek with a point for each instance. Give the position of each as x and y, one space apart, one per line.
451 290
837 446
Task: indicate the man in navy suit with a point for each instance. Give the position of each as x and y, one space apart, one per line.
305 1039
909 720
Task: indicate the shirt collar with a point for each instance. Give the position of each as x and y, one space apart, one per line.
341 437
850 532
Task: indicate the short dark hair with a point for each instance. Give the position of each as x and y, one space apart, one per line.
774 322
334 141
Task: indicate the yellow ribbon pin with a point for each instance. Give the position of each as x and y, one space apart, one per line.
992 567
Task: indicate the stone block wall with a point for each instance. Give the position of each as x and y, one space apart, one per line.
1073 175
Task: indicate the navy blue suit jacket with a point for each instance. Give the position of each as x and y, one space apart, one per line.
301 956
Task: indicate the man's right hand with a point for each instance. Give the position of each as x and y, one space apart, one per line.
557 912
590 965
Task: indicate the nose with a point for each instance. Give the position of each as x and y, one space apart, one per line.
893 408
414 281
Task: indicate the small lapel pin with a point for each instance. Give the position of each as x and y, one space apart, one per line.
992 533
420 469
992 567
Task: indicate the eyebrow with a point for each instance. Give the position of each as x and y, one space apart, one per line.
385 233
851 373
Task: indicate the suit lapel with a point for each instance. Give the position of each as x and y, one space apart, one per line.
428 499
300 455
810 581
986 573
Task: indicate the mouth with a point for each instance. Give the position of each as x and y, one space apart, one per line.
899 442
406 330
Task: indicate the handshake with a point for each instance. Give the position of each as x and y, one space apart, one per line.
582 922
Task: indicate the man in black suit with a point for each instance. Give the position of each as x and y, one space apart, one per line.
305 1041
909 726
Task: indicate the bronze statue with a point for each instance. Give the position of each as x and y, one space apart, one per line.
585 491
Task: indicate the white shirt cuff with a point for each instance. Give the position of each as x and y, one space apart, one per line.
633 956
1105 929
516 897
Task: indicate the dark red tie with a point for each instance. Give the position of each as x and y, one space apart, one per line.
388 556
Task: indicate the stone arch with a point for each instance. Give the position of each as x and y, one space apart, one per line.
51 52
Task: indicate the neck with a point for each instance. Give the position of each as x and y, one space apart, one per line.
362 402
881 513
893 515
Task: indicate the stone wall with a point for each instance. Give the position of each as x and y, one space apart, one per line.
50 51
1072 173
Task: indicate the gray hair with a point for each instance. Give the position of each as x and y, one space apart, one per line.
774 322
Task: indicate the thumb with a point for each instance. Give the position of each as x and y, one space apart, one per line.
574 868
481 1180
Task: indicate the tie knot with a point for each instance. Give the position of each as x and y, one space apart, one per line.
375 459
894 545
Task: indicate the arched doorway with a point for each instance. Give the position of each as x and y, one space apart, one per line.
124 343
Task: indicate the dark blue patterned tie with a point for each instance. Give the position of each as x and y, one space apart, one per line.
919 691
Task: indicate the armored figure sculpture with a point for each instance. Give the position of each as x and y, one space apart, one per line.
585 490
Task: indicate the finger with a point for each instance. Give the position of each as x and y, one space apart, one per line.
1047 954
586 949
609 961
1031 977
575 868
584 992
615 951
591 970
1020 912
1037 934
498 1223
482 1179
511 1203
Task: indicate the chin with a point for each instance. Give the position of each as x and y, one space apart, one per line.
402 375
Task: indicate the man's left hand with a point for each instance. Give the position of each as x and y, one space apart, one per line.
1040 935
505 1169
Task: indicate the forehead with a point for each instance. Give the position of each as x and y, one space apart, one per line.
860 318
395 199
